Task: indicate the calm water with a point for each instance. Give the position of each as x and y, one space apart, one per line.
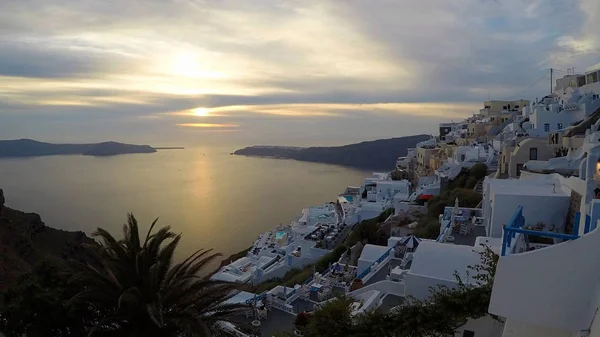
216 200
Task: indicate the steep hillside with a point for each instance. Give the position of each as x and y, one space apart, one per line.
26 240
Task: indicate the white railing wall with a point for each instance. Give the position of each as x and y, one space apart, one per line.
386 286
375 269
231 329
284 307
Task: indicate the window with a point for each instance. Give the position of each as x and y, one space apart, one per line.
547 127
533 153
516 106
559 126
468 333
519 168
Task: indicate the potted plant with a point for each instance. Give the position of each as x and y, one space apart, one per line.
356 284
301 322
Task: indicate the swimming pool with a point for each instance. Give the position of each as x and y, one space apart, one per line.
280 235
348 197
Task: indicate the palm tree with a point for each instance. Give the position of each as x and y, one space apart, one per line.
142 292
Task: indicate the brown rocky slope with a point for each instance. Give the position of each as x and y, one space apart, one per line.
26 240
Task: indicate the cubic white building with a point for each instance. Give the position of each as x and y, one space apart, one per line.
554 290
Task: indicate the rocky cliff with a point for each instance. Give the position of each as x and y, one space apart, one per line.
26 240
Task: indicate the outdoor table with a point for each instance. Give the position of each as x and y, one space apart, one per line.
316 286
396 273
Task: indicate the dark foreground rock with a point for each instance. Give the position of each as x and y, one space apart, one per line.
25 240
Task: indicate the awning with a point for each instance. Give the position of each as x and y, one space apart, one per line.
425 196
411 242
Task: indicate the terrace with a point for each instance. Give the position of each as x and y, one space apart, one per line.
516 237
328 235
551 287
461 226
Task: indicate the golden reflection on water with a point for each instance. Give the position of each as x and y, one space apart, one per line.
216 200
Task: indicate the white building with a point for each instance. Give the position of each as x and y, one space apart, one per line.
572 104
368 255
393 189
434 264
503 196
554 290
404 163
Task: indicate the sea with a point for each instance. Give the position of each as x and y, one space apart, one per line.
216 200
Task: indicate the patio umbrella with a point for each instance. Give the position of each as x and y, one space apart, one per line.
411 242
425 196
254 307
454 211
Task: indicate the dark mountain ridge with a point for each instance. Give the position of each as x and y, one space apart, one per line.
369 155
33 148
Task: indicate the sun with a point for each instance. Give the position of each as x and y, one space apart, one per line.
200 112
192 65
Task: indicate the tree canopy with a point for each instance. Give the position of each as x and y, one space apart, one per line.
39 305
135 288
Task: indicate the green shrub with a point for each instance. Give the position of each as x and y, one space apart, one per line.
399 175
471 182
331 257
478 171
384 215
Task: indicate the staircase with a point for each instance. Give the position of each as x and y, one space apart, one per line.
479 187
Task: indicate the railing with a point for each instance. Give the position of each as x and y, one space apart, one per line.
442 237
291 293
230 329
571 106
514 227
258 298
284 307
379 260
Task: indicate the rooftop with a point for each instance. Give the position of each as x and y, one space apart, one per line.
471 238
441 260
372 252
529 187
277 321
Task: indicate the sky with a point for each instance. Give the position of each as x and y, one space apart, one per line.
287 72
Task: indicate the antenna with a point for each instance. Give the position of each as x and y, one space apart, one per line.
551 71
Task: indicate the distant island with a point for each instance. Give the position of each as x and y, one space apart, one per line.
370 155
33 148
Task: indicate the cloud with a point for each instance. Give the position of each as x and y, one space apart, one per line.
207 125
264 65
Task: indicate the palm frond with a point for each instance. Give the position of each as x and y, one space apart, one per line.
149 232
144 291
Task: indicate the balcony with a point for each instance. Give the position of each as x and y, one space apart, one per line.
552 287
514 231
